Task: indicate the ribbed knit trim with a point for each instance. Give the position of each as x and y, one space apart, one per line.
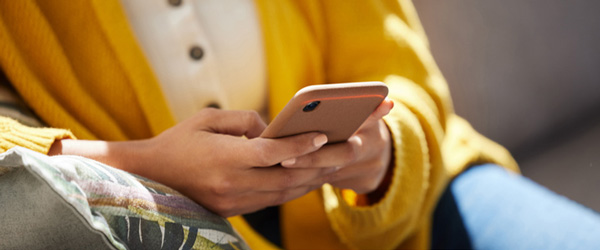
398 212
12 134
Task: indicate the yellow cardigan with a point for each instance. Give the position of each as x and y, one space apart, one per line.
78 66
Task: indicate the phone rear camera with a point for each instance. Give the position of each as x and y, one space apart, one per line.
311 106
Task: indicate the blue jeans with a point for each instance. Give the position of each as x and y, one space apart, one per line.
487 207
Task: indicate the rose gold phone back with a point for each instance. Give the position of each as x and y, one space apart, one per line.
341 111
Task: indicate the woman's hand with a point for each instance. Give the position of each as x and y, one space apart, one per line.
207 159
361 162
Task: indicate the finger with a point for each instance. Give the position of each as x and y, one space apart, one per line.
254 201
375 135
351 172
358 185
361 177
268 187
263 152
280 197
279 178
371 168
232 122
334 155
383 109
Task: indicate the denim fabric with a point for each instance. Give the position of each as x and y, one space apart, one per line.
487 207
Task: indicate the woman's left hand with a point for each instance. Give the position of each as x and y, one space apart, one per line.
362 161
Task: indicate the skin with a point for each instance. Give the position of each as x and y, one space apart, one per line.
228 169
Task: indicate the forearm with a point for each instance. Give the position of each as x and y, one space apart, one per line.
130 156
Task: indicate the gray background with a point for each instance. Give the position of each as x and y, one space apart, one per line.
526 74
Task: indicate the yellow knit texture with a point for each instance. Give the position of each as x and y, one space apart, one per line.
77 64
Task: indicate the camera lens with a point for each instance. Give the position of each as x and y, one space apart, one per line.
311 106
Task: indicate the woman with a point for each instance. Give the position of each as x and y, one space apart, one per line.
125 81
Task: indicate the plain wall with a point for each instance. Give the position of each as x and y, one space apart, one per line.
526 73
518 70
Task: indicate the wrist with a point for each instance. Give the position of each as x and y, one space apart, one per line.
56 147
376 195
384 185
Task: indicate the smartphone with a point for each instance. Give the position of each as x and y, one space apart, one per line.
337 110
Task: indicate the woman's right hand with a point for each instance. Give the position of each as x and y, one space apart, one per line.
207 159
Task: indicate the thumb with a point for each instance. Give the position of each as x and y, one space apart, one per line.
383 109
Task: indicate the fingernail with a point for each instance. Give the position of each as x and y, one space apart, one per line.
320 140
289 162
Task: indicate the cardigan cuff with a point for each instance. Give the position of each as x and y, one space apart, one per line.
385 224
13 133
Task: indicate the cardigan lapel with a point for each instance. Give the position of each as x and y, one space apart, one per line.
140 75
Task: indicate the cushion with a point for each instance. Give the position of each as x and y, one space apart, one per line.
71 202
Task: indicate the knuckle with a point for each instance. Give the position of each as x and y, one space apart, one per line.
205 115
326 177
304 142
350 153
262 156
251 117
222 187
330 177
310 160
200 116
288 180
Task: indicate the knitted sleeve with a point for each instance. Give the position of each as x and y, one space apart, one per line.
12 134
383 40
19 126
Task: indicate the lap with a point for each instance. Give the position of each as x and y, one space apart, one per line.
488 207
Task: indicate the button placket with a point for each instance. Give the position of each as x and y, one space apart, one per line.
179 52
202 80
196 53
175 3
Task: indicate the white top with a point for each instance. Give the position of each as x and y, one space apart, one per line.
231 71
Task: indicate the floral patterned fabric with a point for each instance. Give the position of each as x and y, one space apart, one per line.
130 211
